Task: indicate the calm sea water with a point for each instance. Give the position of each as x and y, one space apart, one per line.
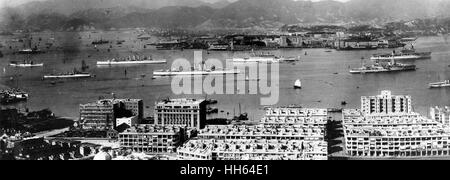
323 88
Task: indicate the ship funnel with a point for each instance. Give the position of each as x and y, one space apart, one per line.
393 58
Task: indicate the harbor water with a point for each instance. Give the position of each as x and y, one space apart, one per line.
325 75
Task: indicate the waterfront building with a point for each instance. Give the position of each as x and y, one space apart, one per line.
154 138
97 115
386 103
104 113
393 132
252 149
441 114
185 112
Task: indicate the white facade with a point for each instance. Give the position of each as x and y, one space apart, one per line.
386 127
441 114
386 103
185 112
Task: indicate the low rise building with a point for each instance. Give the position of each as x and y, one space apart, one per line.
296 116
269 132
251 149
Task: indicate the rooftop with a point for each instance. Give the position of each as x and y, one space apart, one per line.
272 149
181 102
262 130
155 129
108 102
445 109
401 131
354 117
300 112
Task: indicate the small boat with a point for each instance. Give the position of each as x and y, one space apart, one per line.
343 103
445 83
298 84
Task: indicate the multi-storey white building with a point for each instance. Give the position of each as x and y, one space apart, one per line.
397 132
386 103
441 114
154 138
186 112
103 113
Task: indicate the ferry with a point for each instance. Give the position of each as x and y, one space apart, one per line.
194 72
406 54
25 64
132 60
445 83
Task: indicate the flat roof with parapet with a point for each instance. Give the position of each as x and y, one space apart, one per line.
153 129
354 117
298 112
261 130
401 131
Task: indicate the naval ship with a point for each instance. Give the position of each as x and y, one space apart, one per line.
25 64
75 74
405 54
445 83
265 58
131 60
201 71
378 67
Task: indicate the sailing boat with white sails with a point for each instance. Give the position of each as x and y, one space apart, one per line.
298 84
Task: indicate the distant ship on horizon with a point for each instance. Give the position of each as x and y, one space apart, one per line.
405 54
265 58
131 60
201 71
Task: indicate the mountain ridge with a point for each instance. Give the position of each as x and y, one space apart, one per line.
225 14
